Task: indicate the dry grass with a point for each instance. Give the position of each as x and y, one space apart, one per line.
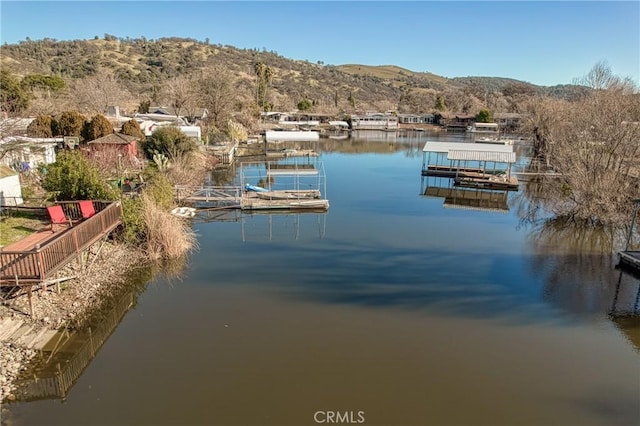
168 237
189 169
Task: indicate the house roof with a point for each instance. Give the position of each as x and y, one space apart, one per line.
197 112
115 138
6 171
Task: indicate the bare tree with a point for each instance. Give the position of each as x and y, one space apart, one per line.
595 143
218 91
180 92
94 94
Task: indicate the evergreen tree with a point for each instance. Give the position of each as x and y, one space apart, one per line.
484 116
13 97
41 127
132 128
70 123
98 127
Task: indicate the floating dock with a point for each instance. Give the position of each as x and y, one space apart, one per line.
290 185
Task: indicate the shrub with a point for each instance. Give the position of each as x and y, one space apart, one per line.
98 127
304 105
69 123
167 237
132 128
73 177
41 127
236 131
169 141
484 116
160 191
134 230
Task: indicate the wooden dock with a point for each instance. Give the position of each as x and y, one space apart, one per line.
281 188
233 197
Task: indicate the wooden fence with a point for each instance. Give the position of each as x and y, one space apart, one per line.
41 262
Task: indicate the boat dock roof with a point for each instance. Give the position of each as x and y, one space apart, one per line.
466 155
445 147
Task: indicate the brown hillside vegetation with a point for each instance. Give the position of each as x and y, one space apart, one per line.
144 65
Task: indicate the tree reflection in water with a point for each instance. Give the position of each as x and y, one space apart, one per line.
576 260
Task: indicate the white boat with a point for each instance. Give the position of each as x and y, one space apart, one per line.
483 128
497 141
184 212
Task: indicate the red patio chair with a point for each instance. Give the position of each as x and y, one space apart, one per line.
57 216
87 209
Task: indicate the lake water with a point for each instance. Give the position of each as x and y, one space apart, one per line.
390 309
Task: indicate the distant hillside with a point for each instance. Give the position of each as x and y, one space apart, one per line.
144 65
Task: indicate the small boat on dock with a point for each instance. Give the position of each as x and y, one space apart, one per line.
287 195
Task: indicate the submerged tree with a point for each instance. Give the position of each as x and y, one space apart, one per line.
595 143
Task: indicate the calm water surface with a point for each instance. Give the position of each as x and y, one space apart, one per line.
390 308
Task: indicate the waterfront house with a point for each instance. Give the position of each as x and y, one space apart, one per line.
416 118
507 121
456 121
374 121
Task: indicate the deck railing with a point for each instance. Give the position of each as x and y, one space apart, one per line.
42 261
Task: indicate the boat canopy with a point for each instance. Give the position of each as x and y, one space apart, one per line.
498 157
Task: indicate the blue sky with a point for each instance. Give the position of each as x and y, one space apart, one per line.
540 42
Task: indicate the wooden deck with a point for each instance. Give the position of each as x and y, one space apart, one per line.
38 257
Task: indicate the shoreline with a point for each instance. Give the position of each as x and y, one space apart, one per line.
79 297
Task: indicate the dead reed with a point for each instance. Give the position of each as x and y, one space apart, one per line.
167 236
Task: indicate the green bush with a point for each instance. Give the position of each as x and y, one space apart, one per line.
484 116
160 191
134 230
73 177
169 141
304 105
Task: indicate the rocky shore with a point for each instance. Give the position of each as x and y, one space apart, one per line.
78 297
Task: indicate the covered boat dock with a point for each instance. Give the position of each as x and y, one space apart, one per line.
471 165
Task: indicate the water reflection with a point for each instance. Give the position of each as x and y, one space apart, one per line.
57 367
464 198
